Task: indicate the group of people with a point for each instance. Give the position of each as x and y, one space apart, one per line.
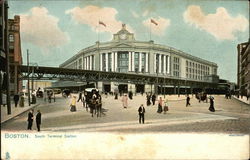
31 118
18 99
211 106
150 98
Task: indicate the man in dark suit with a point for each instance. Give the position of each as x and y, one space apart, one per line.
141 111
30 119
16 99
80 97
38 120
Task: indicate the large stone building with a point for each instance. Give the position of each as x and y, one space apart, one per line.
243 75
125 54
15 54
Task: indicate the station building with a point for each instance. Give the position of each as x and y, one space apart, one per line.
125 54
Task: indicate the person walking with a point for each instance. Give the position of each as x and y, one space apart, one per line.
125 101
153 99
188 101
21 102
73 104
141 111
38 120
80 97
16 99
30 119
160 104
165 109
211 107
148 99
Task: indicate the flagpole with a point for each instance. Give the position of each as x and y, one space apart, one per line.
150 30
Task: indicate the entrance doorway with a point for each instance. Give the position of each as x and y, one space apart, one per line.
140 88
123 88
106 87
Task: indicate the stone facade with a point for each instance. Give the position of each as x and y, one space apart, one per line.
125 54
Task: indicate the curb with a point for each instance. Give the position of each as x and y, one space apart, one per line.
241 101
17 114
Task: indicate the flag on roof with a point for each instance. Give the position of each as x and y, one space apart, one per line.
153 21
100 22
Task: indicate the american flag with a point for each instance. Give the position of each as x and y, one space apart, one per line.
153 21
100 22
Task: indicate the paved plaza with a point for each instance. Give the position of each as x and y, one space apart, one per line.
231 116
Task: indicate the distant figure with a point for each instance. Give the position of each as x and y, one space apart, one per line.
38 120
160 105
153 99
148 99
211 108
141 111
130 95
125 101
30 119
188 101
165 109
116 95
73 104
16 99
21 102
80 97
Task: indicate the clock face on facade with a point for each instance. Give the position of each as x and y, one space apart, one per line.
123 36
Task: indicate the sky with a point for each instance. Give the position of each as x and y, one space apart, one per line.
55 30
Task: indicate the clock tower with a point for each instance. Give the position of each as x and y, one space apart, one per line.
123 35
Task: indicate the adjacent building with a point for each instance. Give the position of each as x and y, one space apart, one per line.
243 74
125 54
15 54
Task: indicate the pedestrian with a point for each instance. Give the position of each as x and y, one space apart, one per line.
165 109
16 99
160 104
130 95
38 120
141 111
153 99
125 101
21 102
80 97
73 104
148 99
30 119
188 101
211 108
116 95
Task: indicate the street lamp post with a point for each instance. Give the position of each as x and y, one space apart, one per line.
28 77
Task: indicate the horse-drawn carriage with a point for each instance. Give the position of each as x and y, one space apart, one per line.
201 96
93 101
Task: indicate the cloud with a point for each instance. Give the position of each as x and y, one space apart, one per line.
90 15
220 24
135 15
41 29
159 29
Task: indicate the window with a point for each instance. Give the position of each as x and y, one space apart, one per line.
11 38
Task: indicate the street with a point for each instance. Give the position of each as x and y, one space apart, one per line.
231 116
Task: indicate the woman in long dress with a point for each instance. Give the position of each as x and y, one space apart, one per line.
125 101
160 105
73 104
211 108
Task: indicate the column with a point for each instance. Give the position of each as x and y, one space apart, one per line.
83 62
168 71
93 59
140 61
90 62
106 58
129 61
146 64
164 64
133 61
101 60
112 63
116 62
160 63
87 63
155 62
